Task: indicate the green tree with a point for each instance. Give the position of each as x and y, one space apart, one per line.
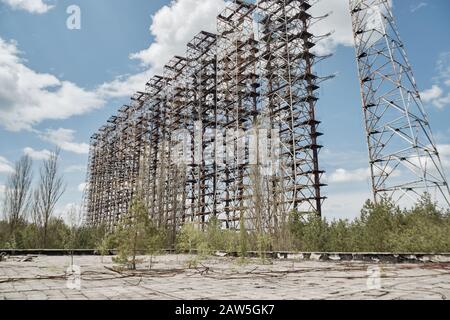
340 236
156 240
189 238
378 221
131 235
315 234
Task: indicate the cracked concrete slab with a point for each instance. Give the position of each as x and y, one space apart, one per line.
221 278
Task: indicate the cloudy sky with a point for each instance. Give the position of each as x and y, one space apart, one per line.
57 86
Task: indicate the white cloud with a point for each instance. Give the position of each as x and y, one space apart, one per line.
444 152
338 22
174 25
343 175
5 166
431 94
71 213
37 154
125 86
338 158
46 97
32 6
345 205
64 139
358 175
443 67
439 95
418 6
82 187
28 97
435 95
440 103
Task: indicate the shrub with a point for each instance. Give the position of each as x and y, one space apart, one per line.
381 227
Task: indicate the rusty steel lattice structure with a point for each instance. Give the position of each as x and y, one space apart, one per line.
289 98
404 160
228 131
115 156
237 101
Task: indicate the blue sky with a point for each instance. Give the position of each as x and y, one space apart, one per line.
70 81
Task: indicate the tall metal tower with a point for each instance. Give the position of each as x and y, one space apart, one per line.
404 160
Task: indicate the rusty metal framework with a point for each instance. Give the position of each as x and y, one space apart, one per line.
289 88
404 160
201 79
237 102
229 131
114 162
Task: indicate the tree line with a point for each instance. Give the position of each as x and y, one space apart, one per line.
29 222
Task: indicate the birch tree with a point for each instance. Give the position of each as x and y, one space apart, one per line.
17 195
49 190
